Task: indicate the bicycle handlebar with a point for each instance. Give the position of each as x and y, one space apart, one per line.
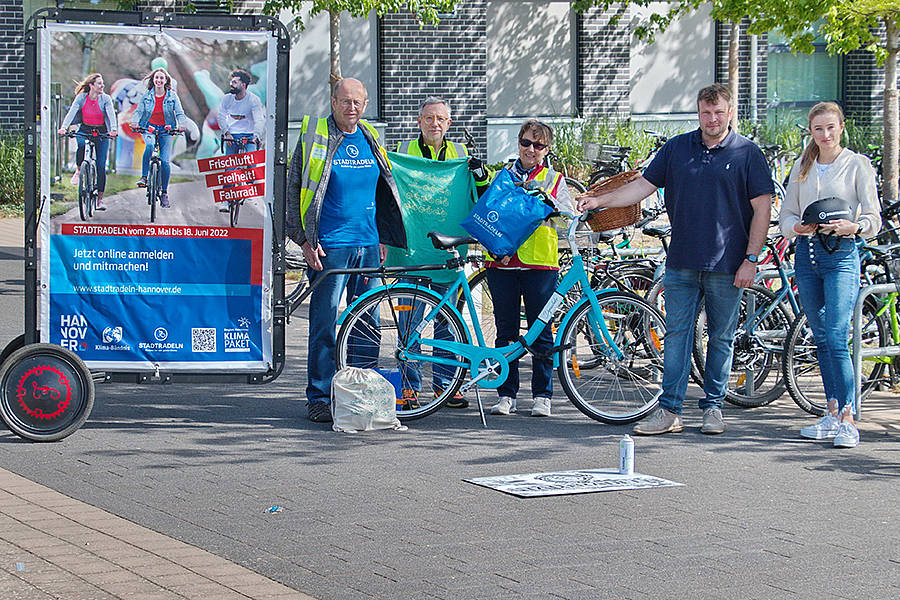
157 131
95 134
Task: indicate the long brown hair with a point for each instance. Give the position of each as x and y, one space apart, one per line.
84 86
811 153
149 78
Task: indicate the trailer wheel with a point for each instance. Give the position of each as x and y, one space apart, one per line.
46 392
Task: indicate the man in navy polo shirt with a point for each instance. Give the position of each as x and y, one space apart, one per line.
718 195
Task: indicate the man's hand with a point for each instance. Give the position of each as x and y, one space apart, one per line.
745 275
587 203
382 252
476 166
312 255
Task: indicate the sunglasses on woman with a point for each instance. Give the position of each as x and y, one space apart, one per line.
525 142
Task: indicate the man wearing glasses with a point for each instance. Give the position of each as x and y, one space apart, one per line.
434 121
343 210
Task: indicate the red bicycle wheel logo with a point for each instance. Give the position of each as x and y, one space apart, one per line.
37 390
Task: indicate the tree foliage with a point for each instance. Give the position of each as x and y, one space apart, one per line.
425 11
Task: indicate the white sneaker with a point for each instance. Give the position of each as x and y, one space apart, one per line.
825 429
847 436
541 407
74 180
505 406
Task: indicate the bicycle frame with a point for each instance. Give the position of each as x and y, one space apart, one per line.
484 361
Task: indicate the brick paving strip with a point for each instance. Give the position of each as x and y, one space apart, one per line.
53 546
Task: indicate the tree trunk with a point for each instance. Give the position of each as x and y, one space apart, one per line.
891 119
733 70
87 53
335 22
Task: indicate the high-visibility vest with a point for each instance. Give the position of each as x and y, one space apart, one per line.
315 151
448 150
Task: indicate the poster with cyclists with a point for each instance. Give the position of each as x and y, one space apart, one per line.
156 242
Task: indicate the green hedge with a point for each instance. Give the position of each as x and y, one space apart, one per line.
12 171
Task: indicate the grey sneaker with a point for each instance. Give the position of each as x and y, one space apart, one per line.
541 407
164 200
825 429
505 406
713 421
847 435
660 421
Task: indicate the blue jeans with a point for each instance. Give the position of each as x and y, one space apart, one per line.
509 288
684 289
829 287
411 372
323 306
102 149
235 148
165 153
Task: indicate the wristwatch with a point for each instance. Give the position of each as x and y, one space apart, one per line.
752 258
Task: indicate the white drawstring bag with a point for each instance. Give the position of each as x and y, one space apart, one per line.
362 400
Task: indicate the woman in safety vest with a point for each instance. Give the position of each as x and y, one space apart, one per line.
530 275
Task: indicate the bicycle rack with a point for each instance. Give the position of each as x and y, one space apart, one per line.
858 351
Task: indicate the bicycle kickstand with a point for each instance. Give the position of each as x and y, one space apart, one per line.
480 407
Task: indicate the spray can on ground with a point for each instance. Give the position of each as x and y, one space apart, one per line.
626 455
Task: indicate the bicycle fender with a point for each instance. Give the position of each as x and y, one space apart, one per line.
406 286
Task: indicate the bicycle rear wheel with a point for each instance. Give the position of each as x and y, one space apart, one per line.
755 379
606 388
85 191
153 191
801 366
375 336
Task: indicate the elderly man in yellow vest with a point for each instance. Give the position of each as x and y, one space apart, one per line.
343 210
434 122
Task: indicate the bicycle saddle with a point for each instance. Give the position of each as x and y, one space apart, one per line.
607 236
444 242
658 232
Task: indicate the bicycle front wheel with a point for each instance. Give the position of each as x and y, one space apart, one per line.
375 336
153 191
801 365
84 191
600 384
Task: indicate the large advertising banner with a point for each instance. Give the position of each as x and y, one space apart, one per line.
169 265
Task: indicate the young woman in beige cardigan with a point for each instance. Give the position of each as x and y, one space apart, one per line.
827 259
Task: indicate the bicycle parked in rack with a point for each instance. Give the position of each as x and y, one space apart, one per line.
607 352
88 192
154 174
879 328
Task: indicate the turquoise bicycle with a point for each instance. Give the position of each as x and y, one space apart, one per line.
607 350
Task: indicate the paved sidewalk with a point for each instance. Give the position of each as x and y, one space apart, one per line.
52 546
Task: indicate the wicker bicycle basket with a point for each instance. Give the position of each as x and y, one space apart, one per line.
605 219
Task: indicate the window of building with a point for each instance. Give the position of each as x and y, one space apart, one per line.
797 81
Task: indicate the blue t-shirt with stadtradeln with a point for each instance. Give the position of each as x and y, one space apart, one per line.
707 194
348 209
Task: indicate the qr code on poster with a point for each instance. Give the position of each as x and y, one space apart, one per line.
203 339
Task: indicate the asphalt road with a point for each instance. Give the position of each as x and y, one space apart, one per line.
762 514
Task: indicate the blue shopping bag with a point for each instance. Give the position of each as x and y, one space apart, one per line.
505 216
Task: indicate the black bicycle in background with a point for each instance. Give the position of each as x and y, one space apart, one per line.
88 192
154 175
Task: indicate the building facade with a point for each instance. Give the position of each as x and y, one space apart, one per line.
500 61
